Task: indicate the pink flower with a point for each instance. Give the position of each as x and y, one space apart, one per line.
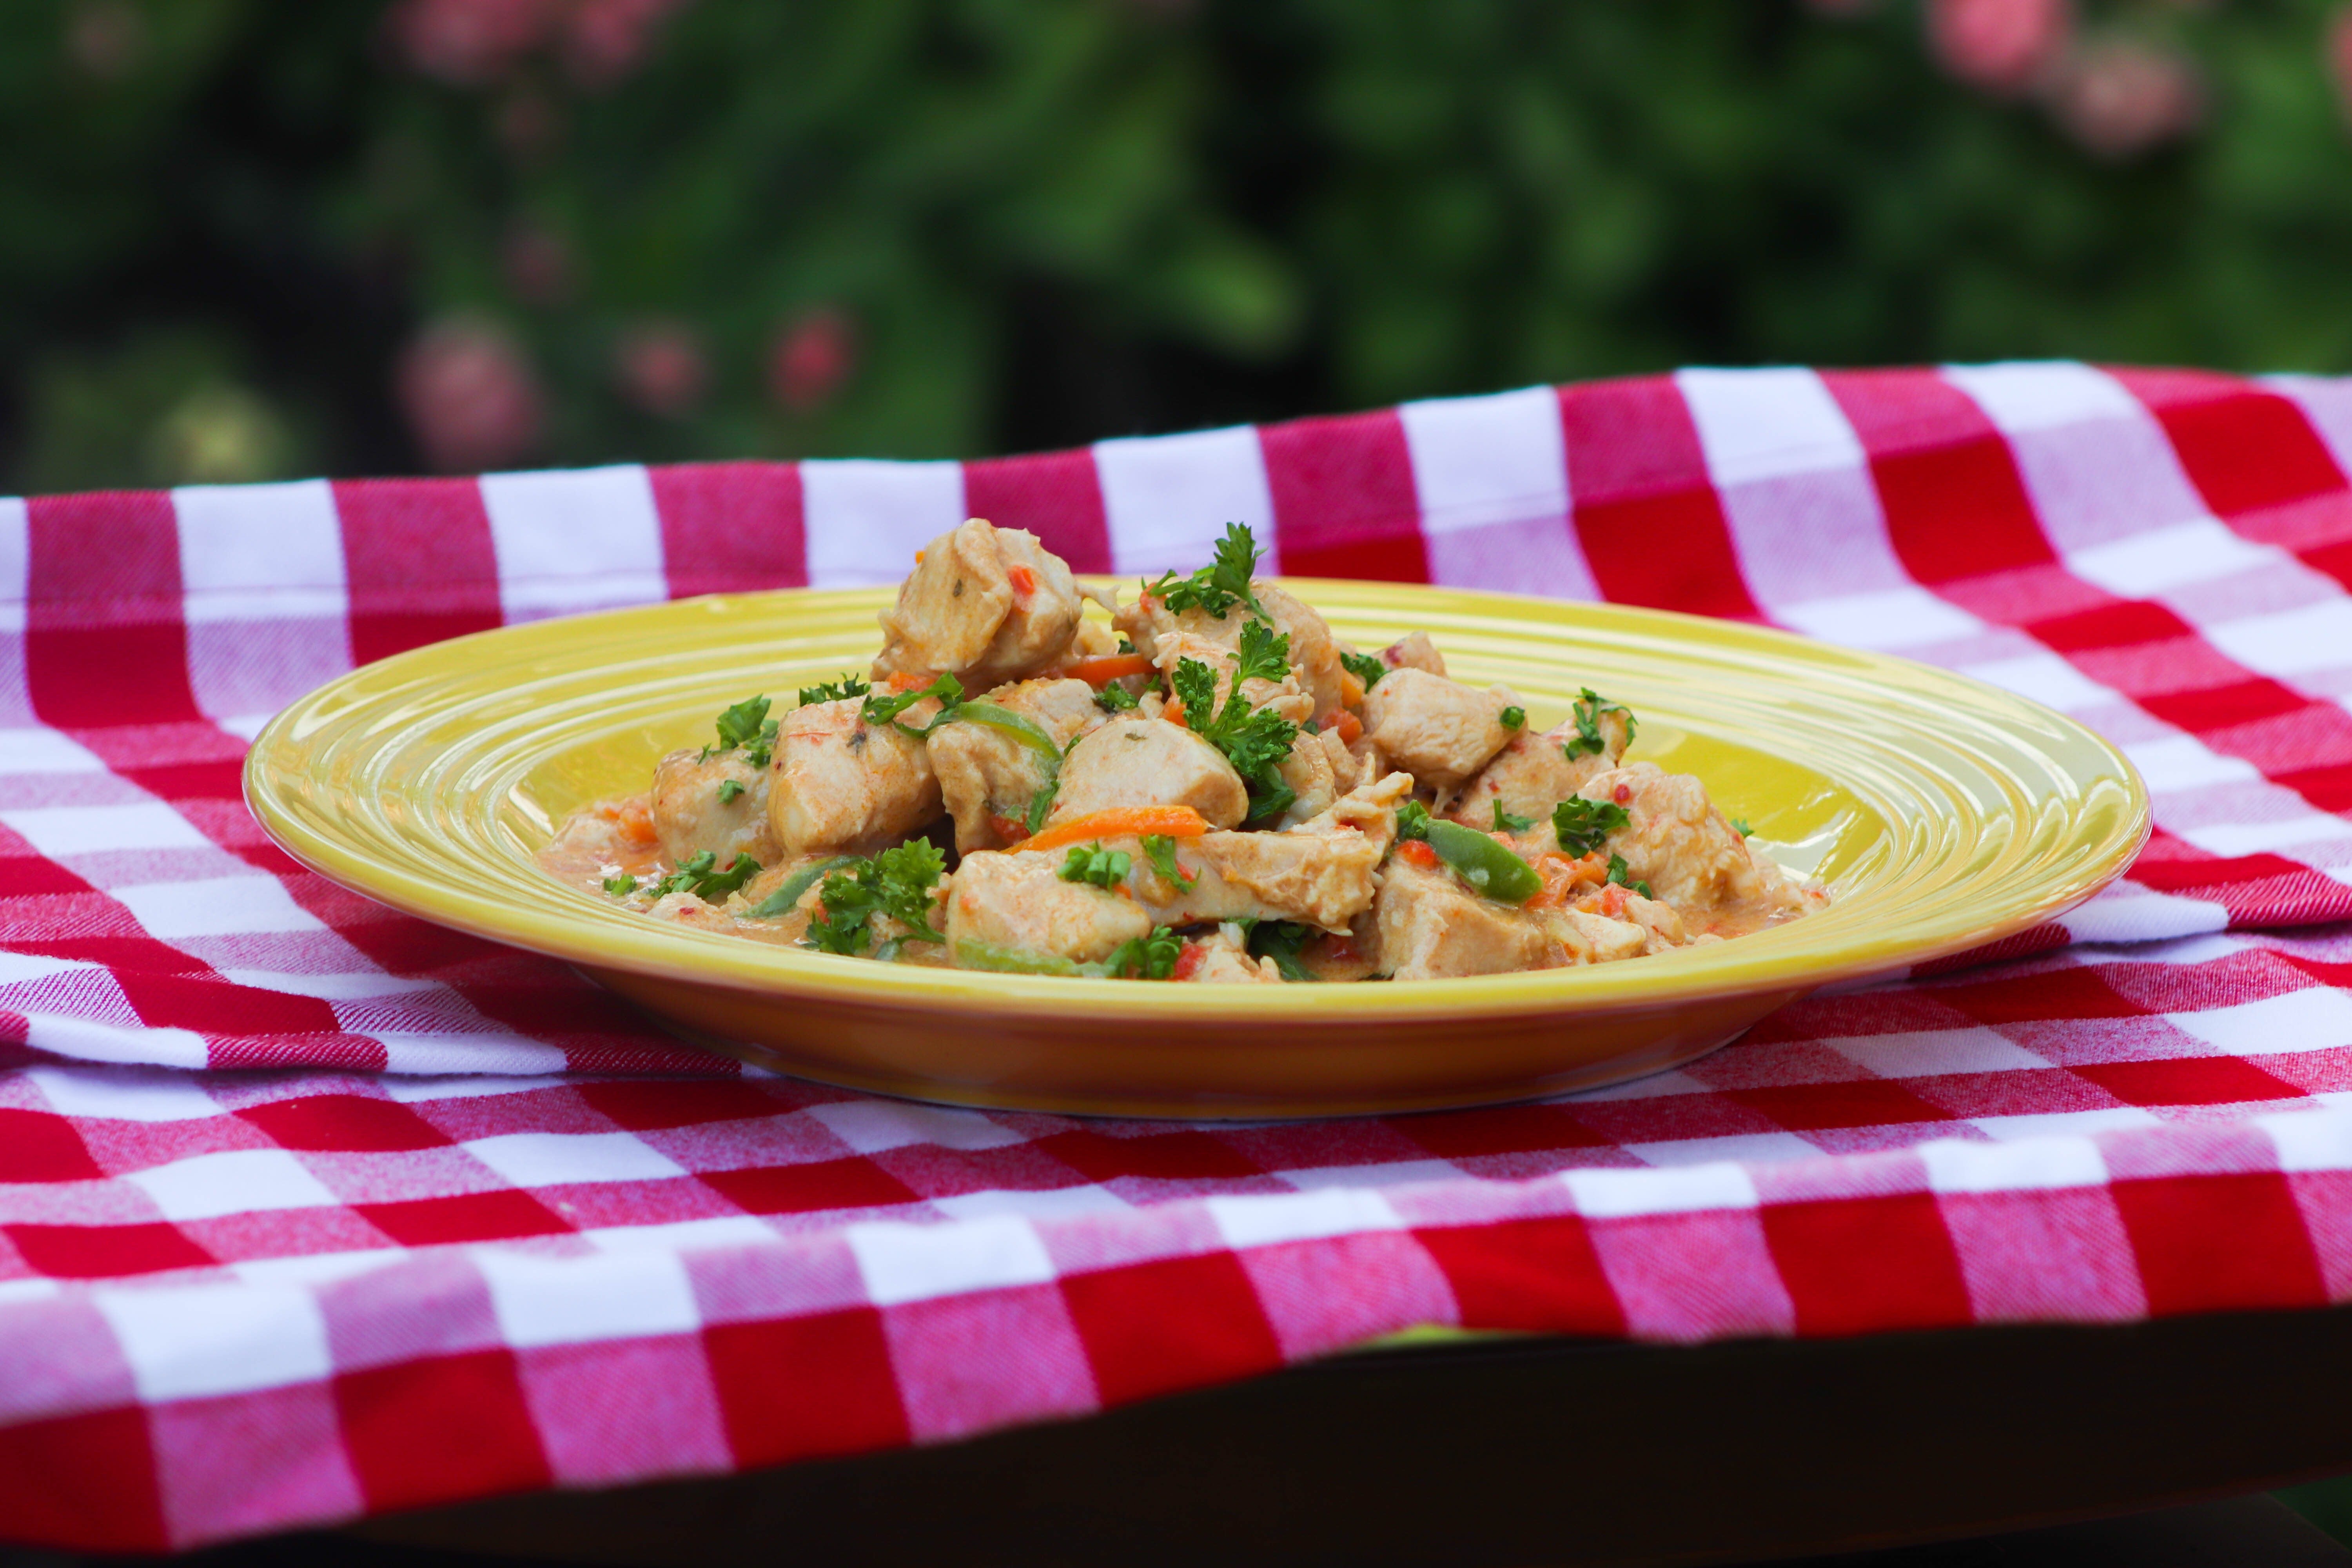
604 41
2121 97
469 42
2001 44
661 368
812 359
470 394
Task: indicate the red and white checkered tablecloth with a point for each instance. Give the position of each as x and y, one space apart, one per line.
440 1221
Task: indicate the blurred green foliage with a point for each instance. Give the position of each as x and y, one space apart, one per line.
931 227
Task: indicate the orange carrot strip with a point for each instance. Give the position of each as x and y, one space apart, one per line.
1104 668
1346 727
1122 822
1351 688
1023 581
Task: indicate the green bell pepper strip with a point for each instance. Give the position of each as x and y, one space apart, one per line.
1005 960
781 900
1486 865
1026 731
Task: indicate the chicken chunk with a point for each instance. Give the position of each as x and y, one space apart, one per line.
694 809
986 604
1018 900
1164 636
1223 958
842 784
1536 773
1414 650
1432 927
1322 873
1135 760
988 778
1587 937
1437 729
1692 860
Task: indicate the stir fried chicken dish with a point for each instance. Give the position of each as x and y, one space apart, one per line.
1213 787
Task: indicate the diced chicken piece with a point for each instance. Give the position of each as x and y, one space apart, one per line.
1314 654
1355 956
612 837
1536 773
1692 860
1321 873
1308 774
842 784
988 778
1437 729
1221 958
1589 938
693 809
1135 760
1020 901
1434 928
685 909
1413 651
986 604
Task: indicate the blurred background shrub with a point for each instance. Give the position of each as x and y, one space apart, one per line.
248 239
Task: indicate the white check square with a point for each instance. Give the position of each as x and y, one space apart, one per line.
238 1181
556 1159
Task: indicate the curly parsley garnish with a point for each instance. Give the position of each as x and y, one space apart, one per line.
1160 850
1589 740
1280 941
1583 826
1618 872
840 690
878 709
1413 820
1739 826
1254 740
728 790
1150 957
1366 667
620 887
1509 822
1218 587
698 875
897 883
745 726
1114 700
1091 863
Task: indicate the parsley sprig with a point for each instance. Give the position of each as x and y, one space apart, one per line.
1254 740
1218 587
878 709
1091 863
1366 667
1589 740
1280 941
1619 873
897 883
697 874
1509 821
1583 826
1160 850
840 690
747 726
1114 700
1150 957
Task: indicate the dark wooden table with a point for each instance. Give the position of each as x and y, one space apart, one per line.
1531 1452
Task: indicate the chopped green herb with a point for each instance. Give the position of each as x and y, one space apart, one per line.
840 690
1125 646
698 875
897 883
1510 821
1218 587
746 725
1366 667
1281 941
1150 957
1413 820
1514 718
1114 699
1582 825
620 887
1160 850
1617 874
1590 742
1040 804
728 790
1105 869
880 710
1254 740
1739 826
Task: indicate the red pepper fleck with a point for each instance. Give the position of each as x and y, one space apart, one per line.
1012 830
1417 852
1023 581
1189 961
1623 794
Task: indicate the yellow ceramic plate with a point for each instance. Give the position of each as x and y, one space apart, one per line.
1942 813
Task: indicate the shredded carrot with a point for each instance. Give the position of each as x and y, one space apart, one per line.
1023 581
1173 710
1102 668
1346 726
919 558
1417 852
1122 822
907 680
1351 690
